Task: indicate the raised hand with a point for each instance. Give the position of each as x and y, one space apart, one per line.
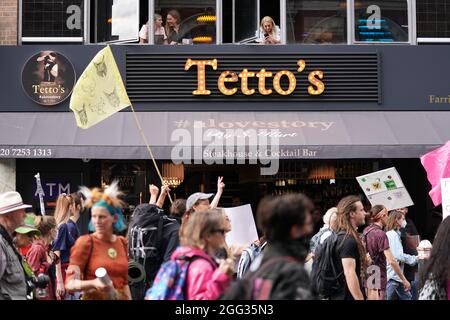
165 189
220 184
154 190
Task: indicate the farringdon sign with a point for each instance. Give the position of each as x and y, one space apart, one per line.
48 78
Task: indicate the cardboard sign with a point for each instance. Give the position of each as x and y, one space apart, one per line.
385 187
243 227
445 188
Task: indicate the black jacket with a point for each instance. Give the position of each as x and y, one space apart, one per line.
279 276
170 239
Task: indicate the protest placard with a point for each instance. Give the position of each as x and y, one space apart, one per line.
385 187
243 227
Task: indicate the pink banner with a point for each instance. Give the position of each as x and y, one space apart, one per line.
437 166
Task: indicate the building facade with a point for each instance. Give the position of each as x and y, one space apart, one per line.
349 86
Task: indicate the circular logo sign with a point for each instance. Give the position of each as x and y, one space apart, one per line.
48 78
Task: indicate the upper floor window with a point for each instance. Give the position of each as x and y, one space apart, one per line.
381 21
433 19
317 22
251 21
116 20
50 21
181 22
230 21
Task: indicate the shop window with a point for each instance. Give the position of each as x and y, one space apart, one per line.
381 21
433 19
182 22
316 22
52 21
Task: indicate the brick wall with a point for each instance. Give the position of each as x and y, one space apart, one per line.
8 22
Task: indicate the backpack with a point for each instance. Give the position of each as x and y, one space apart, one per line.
253 286
326 280
247 257
315 240
144 241
170 282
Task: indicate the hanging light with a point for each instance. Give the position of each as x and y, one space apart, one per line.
206 18
324 171
202 39
173 174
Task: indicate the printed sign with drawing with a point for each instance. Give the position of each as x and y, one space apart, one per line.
385 187
445 187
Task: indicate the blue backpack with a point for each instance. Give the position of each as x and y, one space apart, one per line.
170 282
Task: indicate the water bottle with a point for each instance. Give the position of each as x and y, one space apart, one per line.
102 274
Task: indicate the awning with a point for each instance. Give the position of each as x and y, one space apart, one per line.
317 135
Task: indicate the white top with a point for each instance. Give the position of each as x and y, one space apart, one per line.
158 32
260 34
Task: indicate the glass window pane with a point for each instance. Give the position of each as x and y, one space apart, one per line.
381 21
43 18
184 22
117 20
246 19
433 19
316 22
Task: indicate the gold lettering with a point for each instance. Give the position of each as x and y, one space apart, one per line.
227 76
292 82
301 65
262 75
316 82
201 74
244 75
35 87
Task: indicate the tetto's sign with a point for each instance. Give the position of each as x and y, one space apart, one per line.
317 87
253 77
48 78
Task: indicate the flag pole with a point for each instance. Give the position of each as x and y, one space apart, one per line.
149 149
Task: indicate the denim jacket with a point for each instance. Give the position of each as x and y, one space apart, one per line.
396 247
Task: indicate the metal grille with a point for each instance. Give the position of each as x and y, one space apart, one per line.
160 77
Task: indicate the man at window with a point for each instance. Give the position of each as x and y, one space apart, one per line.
176 33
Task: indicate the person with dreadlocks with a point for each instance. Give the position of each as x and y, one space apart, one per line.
351 255
101 249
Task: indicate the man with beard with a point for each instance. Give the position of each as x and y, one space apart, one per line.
350 257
